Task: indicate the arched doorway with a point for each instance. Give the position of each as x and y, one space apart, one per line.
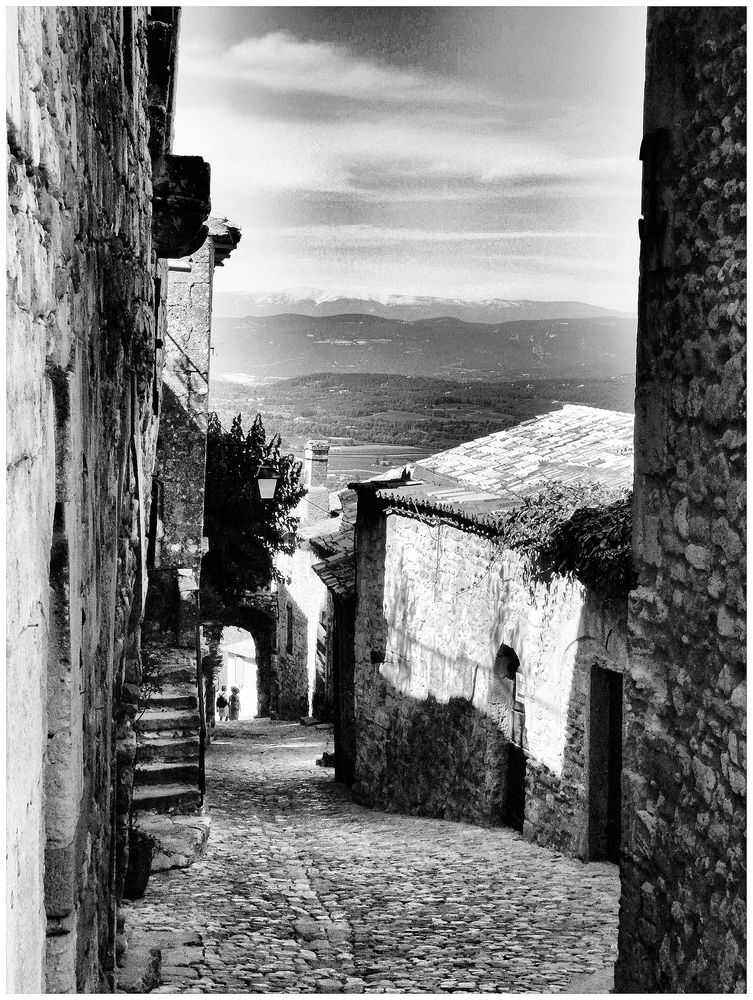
239 669
510 678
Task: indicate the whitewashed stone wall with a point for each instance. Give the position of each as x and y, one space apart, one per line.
434 604
303 672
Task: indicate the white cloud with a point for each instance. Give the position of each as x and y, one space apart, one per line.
387 135
371 236
281 62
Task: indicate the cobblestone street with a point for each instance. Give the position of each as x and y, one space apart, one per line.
300 890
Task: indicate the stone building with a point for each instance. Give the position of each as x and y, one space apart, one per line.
479 693
171 730
96 204
305 633
682 916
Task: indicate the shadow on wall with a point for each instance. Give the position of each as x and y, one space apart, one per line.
442 734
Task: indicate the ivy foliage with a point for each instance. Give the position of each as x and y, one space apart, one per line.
244 532
583 531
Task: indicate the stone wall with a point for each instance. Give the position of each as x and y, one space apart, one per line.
85 316
438 610
304 651
172 728
682 920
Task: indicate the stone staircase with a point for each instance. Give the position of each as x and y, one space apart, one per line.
167 799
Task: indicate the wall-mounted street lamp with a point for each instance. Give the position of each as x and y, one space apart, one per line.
267 477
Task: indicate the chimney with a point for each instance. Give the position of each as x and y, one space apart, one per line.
315 461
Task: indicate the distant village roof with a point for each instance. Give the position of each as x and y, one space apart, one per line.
479 480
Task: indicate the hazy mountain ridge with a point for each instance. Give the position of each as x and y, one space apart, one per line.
289 344
403 307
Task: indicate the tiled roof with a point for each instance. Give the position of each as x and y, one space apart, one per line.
337 570
490 475
338 573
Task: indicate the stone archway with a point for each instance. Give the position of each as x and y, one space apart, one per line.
257 615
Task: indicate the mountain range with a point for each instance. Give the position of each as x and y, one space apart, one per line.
403 307
267 348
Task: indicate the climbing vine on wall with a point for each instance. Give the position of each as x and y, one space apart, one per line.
583 531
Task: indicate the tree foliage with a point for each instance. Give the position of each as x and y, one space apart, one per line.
244 532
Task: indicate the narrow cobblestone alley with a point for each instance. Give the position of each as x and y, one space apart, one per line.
301 890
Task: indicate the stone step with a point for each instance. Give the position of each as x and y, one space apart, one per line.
158 772
174 699
179 722
167 749
177 673
178 797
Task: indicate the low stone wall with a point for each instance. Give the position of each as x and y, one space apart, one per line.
433 699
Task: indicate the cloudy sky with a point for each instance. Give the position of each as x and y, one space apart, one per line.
448 151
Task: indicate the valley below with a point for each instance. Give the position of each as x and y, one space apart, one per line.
386 390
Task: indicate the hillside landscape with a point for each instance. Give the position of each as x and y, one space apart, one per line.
287 345
390 409
373 383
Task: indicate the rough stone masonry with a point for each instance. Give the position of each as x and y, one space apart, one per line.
169 778
440 611
96 202
682 920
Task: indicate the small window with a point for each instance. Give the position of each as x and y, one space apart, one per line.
289 639
520 688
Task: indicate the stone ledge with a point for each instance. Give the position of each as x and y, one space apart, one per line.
178 840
